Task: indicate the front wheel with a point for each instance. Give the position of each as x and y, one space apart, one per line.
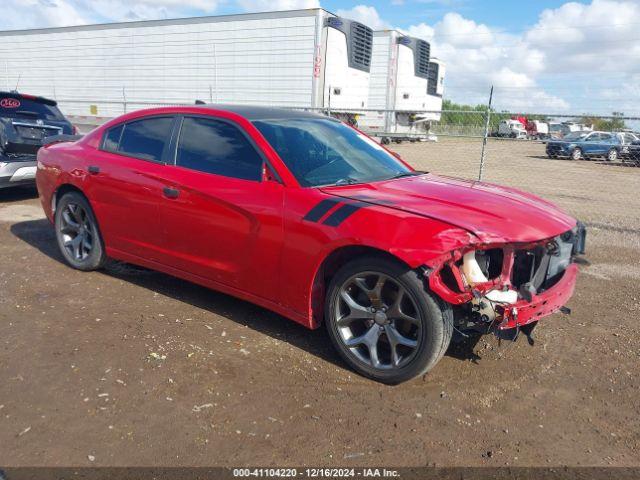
576 154
383 321
612 155
78 234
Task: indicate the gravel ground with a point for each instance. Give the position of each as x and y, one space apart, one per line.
130 367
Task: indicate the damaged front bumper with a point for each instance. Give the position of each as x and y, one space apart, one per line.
501 287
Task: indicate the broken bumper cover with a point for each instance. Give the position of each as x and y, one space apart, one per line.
17 171
541 305
518 284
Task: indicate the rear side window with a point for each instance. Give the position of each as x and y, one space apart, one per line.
145 138
214 146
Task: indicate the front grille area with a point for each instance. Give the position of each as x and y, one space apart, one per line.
422 55
540 268
361 46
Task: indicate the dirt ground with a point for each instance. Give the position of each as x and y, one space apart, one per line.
129 367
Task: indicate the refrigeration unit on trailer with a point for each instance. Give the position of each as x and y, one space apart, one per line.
301 58
398 85
435 90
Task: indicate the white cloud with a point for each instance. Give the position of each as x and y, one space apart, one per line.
274 5
19 14
422 30
365 14
601 36
478 56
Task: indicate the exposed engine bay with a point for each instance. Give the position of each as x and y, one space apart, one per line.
505 289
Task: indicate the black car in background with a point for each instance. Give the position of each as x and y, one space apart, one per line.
634 153
25 121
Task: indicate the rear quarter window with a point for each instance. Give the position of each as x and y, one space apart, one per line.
112 138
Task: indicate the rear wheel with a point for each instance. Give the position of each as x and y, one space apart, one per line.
612 155
384 323
576 154
77 233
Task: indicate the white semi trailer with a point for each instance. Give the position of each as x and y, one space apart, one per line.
398 86
302 58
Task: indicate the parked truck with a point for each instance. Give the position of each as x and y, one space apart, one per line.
301 58
398 86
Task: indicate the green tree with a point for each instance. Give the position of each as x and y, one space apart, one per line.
613 124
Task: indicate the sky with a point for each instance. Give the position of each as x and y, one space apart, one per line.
541 56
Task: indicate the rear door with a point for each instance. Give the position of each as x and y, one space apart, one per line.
605 143
223 220
125 185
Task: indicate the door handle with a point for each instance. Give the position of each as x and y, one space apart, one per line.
171 192
93 169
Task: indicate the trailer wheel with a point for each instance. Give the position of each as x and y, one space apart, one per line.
384 141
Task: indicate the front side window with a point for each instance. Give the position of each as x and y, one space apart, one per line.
577 136
321 151
217 147
145 139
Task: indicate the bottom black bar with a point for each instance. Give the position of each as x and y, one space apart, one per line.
416 473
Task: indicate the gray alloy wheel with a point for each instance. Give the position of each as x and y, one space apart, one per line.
384 322
377 320
612 155
77 233
576 154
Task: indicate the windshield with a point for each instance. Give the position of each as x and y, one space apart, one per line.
322 151
575 135
19 107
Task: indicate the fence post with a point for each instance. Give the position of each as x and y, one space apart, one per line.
486 134
124 101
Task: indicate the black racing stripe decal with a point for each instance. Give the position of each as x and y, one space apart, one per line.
342 213
320 210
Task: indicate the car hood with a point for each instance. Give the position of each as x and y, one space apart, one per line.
493 213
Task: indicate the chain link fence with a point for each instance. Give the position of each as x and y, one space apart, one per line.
532 152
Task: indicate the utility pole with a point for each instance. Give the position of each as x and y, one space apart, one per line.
486 134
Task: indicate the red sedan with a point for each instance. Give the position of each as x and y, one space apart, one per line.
310 218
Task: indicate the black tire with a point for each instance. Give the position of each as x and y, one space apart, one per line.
576 154
89 254
432 336
612 155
